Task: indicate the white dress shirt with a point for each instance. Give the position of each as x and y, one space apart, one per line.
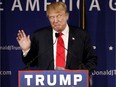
65 38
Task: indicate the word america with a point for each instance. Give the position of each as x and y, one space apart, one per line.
35 5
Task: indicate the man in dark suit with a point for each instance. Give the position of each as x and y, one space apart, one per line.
41 50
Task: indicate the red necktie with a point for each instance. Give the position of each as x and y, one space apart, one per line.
60 52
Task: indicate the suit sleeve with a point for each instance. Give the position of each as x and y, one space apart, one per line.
89 60
31 57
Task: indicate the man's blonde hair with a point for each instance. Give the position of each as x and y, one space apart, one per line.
56 6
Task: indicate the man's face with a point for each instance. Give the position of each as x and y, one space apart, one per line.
58 20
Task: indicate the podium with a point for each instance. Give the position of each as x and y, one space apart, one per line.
48 78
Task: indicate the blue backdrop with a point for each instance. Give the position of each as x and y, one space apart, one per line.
100 24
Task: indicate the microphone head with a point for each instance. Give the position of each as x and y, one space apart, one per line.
57 35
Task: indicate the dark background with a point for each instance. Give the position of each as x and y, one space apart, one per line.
100 24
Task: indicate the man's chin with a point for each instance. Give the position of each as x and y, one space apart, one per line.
57 29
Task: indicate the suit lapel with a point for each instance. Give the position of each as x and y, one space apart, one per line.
49 43
70 44
74 45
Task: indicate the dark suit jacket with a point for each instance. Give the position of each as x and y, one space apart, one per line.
80 52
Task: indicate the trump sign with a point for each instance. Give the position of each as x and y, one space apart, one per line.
67 78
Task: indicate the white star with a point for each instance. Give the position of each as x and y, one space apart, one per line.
115 3
110 48
94 47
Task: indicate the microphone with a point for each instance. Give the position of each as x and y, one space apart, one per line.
28 65
57 35
59 68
